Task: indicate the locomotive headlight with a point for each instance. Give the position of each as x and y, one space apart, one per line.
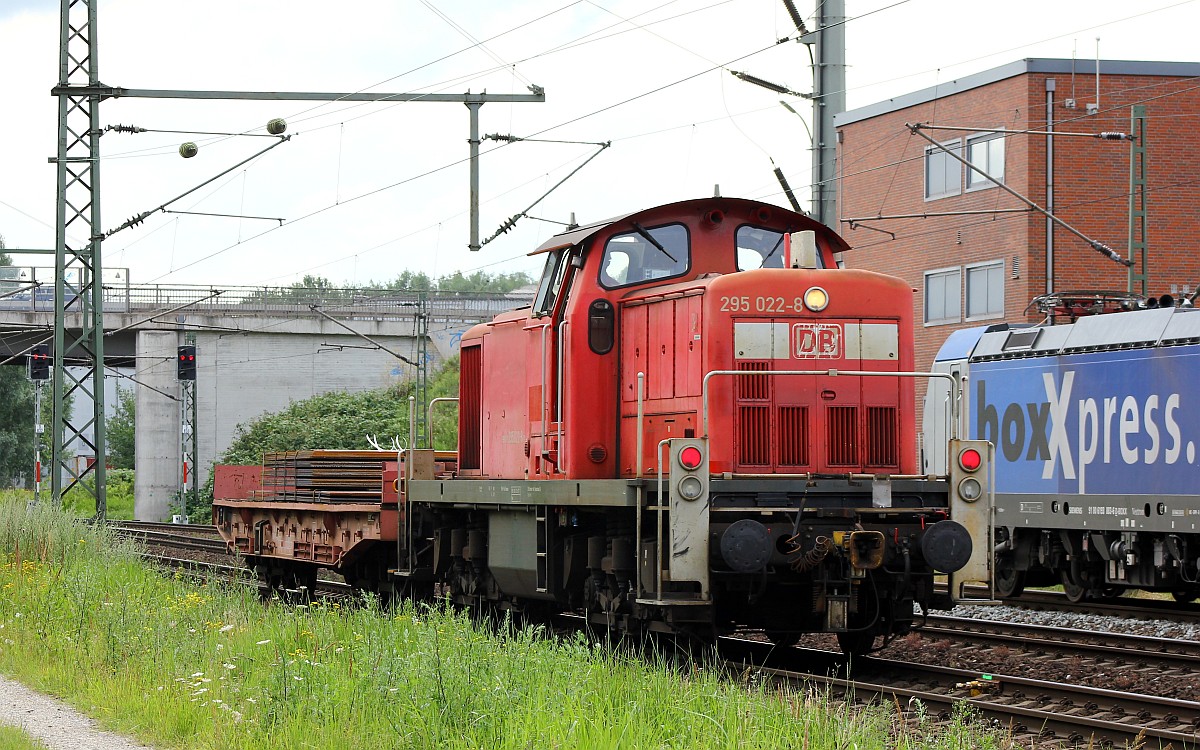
970 489
690 488
816 299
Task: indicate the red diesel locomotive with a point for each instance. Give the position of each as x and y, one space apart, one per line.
701 424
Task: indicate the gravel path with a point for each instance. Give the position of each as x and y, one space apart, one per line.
56 724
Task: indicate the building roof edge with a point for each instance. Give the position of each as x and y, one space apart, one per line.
1016 68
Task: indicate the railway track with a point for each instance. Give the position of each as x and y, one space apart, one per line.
1131 608
175 536
1145 652
1038 710
239 574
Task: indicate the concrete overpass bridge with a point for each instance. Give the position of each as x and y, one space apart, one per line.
257 350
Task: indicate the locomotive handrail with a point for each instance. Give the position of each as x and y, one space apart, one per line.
546 327
429 417
658 500
835 373
562 366
810 475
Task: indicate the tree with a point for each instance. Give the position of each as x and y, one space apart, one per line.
16 418
481 281
119 430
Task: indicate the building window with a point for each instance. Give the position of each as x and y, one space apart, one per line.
943 173
943 296
987 153
985 290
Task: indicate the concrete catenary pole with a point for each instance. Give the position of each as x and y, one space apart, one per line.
829 99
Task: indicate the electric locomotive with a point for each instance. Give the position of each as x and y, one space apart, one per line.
702 423
1096 459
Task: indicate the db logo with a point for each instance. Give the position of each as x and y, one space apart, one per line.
817 340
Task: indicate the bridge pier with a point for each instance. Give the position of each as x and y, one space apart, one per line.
156 436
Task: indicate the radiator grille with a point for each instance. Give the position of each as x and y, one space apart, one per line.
881 436
470 408
754 436
842 435
793 436
753 387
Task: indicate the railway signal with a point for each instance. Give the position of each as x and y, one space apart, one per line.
970 505
187 362
39 362
687 478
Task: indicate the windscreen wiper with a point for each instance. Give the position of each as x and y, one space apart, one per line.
650 238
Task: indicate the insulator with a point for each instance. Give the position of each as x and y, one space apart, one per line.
1106 136
276 126
188 150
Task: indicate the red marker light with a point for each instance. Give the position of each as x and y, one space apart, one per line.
970 459
690 457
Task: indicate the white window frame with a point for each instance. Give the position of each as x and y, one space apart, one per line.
966 282
955 144
956 317
976 181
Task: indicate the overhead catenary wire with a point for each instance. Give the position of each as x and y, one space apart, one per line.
465 159
516 257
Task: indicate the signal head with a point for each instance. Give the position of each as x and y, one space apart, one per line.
970 459
690 457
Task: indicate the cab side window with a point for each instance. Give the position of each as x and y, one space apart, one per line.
761 248
631 258
551 284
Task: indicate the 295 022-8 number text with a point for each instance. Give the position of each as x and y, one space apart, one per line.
746 303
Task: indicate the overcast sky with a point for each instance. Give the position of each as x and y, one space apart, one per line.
367 191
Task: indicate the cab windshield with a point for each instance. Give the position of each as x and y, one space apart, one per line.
645 255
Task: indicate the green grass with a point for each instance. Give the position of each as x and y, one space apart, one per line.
207 666
12 738
118 496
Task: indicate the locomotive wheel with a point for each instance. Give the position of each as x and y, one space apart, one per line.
298 586
856 642
1185 596
1075 592
783 638
1010 582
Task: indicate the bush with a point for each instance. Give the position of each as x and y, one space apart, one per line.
81 499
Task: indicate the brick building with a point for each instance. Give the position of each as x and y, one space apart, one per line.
976 254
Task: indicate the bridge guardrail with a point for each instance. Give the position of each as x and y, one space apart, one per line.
122 297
